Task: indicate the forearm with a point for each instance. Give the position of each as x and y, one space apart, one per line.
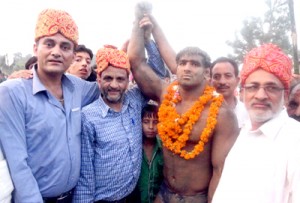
145 77
213 184
136 50
167 52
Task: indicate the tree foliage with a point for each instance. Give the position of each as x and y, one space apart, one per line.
273 27
17 64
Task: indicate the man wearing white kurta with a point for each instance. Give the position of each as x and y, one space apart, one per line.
263 166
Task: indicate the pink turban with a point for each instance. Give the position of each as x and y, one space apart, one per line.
51 21
270 58
111 56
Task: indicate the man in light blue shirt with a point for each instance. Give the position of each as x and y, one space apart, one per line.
40 122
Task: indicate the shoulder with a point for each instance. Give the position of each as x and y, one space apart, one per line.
90 107
226 113
76 80
15 87
134 94
227 123
14 83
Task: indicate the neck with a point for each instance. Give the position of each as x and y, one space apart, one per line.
148 141
53 84
116 106
191 94
231 101
49 80
255 125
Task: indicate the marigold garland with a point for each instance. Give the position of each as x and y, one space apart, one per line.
174 129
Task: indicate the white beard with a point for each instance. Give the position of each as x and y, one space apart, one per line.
264 116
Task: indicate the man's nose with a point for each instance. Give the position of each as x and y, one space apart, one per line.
56 52
114 83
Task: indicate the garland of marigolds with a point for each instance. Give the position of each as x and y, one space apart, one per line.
174 129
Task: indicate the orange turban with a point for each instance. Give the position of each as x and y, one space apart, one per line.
110 56
270 58
51 21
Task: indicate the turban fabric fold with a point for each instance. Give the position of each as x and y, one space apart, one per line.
270 58
51 21
111 56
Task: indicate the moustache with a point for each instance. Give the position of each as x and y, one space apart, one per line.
297 118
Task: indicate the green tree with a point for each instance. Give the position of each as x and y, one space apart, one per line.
18 64
273 27
294 36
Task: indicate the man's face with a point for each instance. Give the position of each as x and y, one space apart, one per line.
224 79
54 53
149 123
113 83
191 71
81 66
263 103
293 107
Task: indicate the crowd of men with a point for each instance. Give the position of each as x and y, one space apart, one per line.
70 132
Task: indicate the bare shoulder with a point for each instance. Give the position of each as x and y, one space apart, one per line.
226 114
226 131
227 120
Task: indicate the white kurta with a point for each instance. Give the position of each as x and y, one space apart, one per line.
241 113
6 186
263 166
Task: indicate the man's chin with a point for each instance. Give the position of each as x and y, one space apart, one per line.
114 100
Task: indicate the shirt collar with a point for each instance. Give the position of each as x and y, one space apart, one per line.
271 128
38 86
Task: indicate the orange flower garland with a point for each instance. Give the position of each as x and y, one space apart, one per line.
174 129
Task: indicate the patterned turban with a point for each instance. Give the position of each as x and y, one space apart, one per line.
51 21
111 56
270 58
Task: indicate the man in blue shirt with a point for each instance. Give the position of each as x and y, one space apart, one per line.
40 122
111 133
112 130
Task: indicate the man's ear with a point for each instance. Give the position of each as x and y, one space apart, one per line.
286 97
35 47
207 74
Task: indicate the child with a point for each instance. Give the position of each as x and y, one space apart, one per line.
152 165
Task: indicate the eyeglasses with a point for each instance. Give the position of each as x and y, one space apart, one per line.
269 89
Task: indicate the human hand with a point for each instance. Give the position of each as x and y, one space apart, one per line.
110 46
142 8
124 47
147 25
26 74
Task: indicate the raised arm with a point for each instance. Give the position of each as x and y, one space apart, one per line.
224 137
150 84
166 51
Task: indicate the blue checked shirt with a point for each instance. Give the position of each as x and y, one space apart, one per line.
111 149
154 59
112 143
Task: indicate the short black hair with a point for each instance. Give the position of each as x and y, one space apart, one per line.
150 110
194 51
82 48
228 60
30 62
